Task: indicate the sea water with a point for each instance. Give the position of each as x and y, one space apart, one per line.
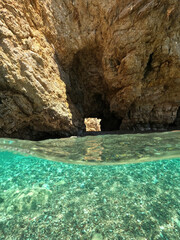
101 188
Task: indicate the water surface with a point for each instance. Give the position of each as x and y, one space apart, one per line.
102 149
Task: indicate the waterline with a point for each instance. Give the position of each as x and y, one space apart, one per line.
101 150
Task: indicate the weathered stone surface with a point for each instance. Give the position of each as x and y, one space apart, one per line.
92 124
33 95
65 60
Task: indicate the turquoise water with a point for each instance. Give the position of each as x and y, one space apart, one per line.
102 149
42 199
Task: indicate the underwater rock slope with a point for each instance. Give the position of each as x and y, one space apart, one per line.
62 61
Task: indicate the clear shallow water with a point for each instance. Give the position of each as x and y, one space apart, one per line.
102 149
41 199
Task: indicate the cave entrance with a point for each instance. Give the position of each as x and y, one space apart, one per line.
108 123
88 90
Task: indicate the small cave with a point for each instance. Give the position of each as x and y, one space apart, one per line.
104 124
88 90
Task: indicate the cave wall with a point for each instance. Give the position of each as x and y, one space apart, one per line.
65 60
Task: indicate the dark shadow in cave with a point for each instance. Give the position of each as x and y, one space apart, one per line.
86 88
110 123
148 68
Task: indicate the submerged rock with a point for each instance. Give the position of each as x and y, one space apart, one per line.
61 62
25 200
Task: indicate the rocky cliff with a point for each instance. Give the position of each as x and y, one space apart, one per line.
62 61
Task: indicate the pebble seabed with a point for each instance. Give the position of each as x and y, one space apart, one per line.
40 199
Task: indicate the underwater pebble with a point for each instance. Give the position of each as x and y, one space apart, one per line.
97 236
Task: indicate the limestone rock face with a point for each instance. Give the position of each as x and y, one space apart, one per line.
33 100
92 124
65 60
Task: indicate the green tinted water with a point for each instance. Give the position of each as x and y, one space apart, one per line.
41 199
102 150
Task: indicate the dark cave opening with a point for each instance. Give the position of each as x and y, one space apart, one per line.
104 123
110 123
88 90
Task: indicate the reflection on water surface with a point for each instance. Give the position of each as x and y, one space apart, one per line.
103 149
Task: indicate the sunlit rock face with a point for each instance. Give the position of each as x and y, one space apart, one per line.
92 124
63 61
